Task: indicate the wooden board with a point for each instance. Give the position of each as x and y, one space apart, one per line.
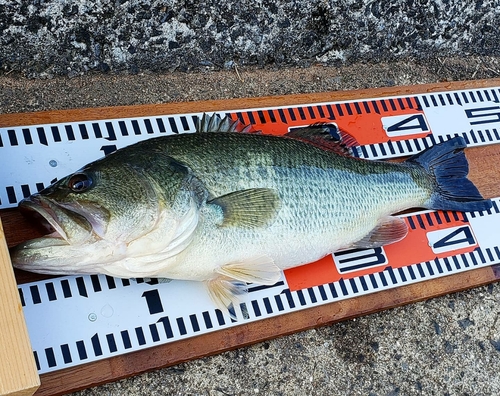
18 374
483 171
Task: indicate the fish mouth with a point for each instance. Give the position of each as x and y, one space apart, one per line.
42 212
64 226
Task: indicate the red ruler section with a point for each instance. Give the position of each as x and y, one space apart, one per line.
369 121
431 236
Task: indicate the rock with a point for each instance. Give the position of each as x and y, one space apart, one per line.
51 37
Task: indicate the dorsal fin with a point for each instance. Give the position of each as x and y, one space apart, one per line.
326 136
214 123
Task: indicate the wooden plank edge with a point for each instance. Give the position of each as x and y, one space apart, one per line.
18 373
123 366
98 113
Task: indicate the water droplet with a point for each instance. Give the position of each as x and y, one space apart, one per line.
107 311
53 163
92 317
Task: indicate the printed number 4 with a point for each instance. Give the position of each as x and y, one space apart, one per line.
451 239
403 125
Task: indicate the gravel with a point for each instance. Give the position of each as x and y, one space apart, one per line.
46 38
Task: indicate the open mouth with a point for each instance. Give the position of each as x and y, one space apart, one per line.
61 223
42 211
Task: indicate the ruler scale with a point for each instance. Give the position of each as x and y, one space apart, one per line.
79 319
37 155
76 320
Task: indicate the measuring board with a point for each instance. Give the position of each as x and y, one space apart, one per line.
81 319
384 128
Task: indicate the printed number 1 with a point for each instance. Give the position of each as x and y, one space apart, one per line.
154 301
108 149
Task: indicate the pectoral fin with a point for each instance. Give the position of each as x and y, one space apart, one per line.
389 230
256 207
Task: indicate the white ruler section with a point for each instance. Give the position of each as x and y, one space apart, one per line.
32 157
80 319
75 320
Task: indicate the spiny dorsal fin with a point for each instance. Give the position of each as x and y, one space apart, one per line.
326 136
255 207
214 123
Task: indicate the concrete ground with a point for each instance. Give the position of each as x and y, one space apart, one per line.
445 346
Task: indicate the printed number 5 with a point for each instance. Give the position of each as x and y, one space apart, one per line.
484 115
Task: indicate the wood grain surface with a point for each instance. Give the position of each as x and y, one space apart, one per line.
484 170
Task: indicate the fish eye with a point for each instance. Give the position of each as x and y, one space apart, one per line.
79 183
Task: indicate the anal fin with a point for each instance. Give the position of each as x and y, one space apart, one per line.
389 230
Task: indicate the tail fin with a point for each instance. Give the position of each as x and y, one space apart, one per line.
447 163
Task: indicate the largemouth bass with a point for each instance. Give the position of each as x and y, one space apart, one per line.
229 208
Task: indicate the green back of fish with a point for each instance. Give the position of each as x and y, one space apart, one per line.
225 161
